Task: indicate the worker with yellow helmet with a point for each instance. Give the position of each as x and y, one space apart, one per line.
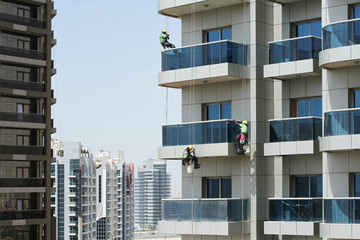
189 156
164 37
242 138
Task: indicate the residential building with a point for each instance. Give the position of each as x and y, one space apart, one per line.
74 202
151 186
115 197
289 67
26 126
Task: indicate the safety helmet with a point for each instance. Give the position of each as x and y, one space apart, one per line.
245 122
190 147
164 31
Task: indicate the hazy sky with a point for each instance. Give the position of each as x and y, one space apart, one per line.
107 58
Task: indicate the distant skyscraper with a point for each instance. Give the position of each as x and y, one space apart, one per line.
152 184
26 126
74 203
115 197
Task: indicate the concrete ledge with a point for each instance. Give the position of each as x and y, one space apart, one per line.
340 57
201 150
291 148
294 69
291 228
343 231
204 228
340 143
204 74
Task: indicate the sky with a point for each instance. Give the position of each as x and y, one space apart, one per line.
107 58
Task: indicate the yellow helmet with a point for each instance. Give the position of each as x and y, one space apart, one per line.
164 31
245 122
190 147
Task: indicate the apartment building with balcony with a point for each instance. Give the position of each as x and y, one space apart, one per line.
26 126
151 186
115 197
74 202
289 67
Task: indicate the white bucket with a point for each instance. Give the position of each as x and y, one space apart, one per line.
190 169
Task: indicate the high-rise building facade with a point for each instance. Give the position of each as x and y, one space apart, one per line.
26 126
291 68
74 202
115 197
151 186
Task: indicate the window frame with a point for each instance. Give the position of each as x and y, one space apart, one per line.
294 26
205 193
206 34
220 104
293 190
294 109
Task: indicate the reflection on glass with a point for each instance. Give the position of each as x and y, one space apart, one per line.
302 187
226 188
226 34
342 211
213 36
213 112
298 210
341 34
226 111
213 188
302 30
316 186
342 123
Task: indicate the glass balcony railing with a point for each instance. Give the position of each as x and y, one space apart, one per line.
22 182
31 22
29 150
21 52
342 211
24 214
205 210
31 86
342 122
204 54
294 49
295 129
341 34
22 117
208 132
295 209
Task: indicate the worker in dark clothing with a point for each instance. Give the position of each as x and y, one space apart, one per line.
241 139
164 37
189 155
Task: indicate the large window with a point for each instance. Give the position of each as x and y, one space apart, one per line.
308 28
217 187
356 102
219 34
354 11
307 107
218 111
307 186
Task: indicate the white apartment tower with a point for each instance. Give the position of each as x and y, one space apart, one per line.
74 203
291 69
115 197
151 186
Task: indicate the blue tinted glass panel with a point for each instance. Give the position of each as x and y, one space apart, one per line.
226 111
357 12
315 28
357 185
316 186
316 107
213 112
303 108
213 186
302 187
357 99
302 30
226 34
213 36
226 188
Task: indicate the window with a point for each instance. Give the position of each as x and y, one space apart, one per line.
23 44
217 187
307 186
22 172
23 140
309 28
99 188
356 102
219 34
354 11
307 107
218 111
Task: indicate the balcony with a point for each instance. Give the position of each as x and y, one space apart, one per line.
294 58
29 86
30 22
24 214
294 216
209 216
341 218
203 63
22 117
341 44
175 8
293 136
212 138
21 52
22 183
26 150
341 130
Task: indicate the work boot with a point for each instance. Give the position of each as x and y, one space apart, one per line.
197 166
